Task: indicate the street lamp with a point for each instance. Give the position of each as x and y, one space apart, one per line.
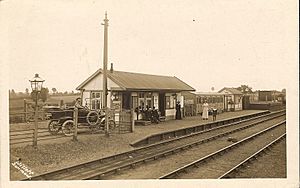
36 86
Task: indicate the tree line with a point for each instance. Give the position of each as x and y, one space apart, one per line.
43 95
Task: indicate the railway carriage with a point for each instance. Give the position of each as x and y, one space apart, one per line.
194 101
214 100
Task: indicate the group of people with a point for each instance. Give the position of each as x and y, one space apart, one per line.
148 113
153 115
205 111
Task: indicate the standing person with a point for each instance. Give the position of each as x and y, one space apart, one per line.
205 111
178 110
176 114
214 113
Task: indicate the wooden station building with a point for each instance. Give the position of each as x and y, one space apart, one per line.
127 90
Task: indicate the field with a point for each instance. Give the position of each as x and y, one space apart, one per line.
17 104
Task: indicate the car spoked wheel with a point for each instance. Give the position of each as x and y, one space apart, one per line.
54 127
92 118
68 127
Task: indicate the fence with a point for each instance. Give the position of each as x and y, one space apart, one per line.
266 106
27 136
124 123
25 113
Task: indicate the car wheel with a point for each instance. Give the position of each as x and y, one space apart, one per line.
92 118
68 127
54 127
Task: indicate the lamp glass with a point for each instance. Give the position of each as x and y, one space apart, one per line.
36 83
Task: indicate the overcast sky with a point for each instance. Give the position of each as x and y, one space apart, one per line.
207 43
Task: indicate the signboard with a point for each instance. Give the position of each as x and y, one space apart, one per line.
189 101
116 105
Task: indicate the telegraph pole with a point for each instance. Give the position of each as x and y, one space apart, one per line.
105 74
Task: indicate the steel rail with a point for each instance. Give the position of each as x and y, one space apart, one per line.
220 152
220 127
129 153
173 134
95 173
254 156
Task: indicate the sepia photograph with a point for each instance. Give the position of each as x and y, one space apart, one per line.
149 93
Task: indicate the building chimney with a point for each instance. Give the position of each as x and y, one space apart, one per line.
111 67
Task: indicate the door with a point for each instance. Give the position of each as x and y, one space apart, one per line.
162 104
126 100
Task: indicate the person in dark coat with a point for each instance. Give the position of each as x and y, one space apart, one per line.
178 110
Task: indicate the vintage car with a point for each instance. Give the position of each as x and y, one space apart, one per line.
49 109
62 119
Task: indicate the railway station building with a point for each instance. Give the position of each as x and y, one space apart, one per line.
234 98
127 90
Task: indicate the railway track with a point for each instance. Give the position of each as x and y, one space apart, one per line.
98 169
223 162
233 171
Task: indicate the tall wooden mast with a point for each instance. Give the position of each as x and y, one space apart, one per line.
105 73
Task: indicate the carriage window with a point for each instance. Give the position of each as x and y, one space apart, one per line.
201 99
209 100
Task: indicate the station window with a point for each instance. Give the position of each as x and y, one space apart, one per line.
134 102
141 95
96 100
169 102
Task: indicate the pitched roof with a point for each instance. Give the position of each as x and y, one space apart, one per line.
209 93
138 81
232 90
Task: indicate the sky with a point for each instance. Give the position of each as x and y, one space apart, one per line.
207 43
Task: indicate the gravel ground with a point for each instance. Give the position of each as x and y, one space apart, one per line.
55 154
220 165
270 165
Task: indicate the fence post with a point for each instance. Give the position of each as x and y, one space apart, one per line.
132 120
35 135
25 111
75 119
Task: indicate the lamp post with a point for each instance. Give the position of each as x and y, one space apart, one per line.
36 86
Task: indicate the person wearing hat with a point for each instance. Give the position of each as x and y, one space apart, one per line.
78 103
